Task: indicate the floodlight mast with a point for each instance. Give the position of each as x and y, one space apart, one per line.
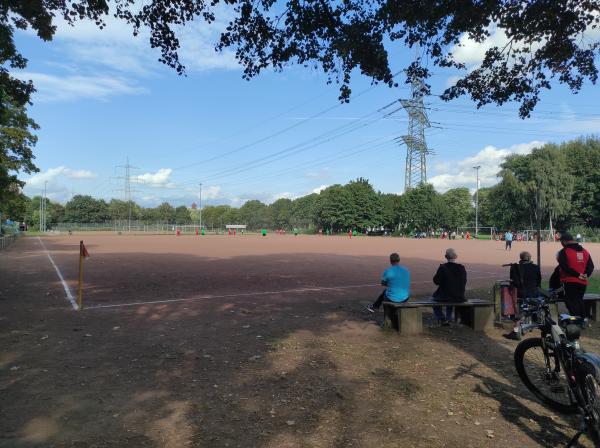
476 168
200 206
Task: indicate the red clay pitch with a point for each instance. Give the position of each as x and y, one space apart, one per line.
129 270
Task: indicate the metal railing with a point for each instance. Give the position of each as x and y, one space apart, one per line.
7 240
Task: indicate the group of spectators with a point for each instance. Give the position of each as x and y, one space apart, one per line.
443 234
450 278
574 268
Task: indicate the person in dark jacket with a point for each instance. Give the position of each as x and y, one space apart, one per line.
575 267
527 279
451 278
526 276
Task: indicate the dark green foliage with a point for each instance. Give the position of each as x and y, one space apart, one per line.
16 147
367 210
84 208
420 209
568 179
182 215
353 36
280 213
304 211
254 214
334 208
165 213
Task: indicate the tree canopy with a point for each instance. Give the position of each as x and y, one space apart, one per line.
545 40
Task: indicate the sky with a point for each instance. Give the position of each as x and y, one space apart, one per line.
104 101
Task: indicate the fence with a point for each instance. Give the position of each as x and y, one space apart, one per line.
123 226
7 240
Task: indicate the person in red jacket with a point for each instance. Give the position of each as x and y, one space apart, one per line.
575 267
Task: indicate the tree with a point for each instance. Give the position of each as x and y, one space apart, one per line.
304 211
390 213
335 208
254 214
118 209
366 204
16 146
182 215
15 208
545 39
280 213
86 209
165 213
458 208
420 208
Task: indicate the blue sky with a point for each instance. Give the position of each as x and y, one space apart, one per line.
103 97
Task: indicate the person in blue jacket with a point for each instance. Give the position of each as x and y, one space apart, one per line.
396 279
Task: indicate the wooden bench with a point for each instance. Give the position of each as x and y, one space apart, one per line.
407 317
592 306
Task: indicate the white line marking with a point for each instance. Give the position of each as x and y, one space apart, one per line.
65 286
244 294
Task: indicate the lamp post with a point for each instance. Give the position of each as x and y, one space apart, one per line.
476 168
200 206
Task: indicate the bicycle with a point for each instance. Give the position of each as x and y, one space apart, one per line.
557 370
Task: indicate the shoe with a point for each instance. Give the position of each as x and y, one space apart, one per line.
512 336
370 309
444 323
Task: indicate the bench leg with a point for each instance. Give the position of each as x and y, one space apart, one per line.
483 318
410 321
390 319
593 310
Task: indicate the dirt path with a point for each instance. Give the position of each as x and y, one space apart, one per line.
305 370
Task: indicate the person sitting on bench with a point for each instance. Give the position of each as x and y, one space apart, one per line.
526 276
396 279
451 278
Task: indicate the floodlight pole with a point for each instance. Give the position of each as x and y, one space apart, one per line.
200 206
44 207
476 168
538 219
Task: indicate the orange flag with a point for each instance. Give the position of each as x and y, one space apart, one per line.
82 250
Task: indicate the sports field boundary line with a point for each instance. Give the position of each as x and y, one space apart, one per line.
246 294
70 297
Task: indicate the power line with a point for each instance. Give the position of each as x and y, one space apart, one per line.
306 145
275 134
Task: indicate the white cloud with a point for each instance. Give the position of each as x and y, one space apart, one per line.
159 179
453 174
52 174
319 189
284 195
471 52
208 192
72 87
116 48
211 192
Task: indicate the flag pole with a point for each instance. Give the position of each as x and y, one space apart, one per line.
80 287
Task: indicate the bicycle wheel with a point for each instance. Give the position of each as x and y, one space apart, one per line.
541 372
590 389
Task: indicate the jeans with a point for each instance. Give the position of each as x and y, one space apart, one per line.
439 314
379 300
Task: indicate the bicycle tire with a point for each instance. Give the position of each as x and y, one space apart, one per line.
588 378
531 347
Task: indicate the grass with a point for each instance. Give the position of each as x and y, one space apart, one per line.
593 285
